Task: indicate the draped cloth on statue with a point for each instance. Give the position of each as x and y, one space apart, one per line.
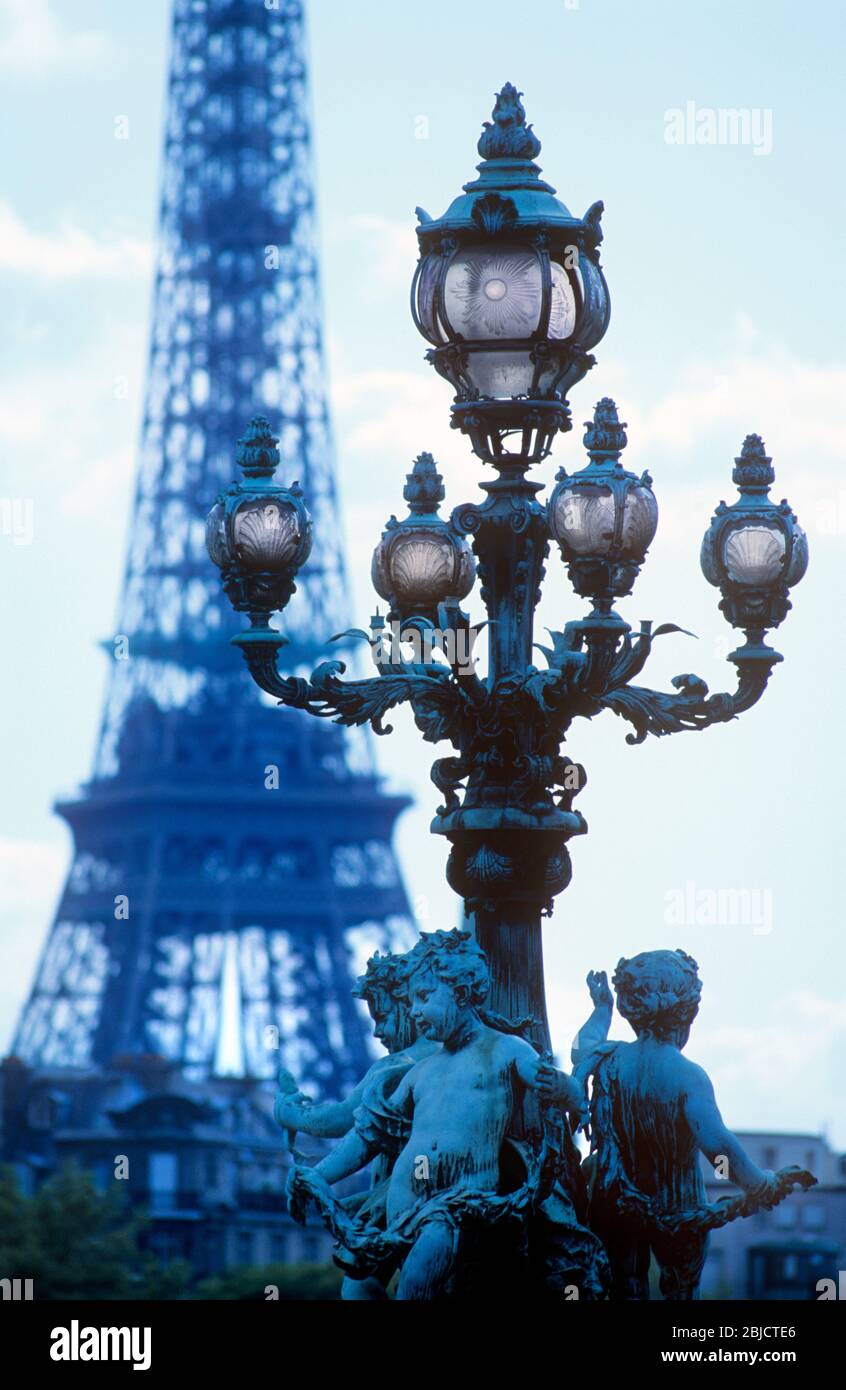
645 1173
533 1213
369 1208
647 1155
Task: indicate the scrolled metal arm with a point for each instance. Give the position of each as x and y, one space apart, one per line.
261 650
436 698
590 669
691 707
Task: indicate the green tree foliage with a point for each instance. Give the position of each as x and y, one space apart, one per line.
16 1252
75 1242
303 1282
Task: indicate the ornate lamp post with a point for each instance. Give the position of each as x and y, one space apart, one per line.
510 295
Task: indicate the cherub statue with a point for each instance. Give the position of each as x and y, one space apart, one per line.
448 1123
652 1112
383 987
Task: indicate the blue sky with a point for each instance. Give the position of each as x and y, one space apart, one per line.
727 302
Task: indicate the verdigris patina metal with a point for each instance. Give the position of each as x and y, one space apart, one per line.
485 1187
510 293
511 297
478 1186
653 1112
384 988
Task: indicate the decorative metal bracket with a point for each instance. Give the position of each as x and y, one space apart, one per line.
438 701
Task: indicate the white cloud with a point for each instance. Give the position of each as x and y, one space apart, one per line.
794 1056
795 404
96 488
71 405
703 415
391 250
68 253
395 412
749 386
22 414
30 879
28 869
34 40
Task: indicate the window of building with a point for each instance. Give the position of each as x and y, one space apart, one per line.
311 1247
790 1267
167 1246
813 1216
163 1171
102 1172
162 1180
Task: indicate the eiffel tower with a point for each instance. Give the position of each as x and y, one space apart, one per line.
233 863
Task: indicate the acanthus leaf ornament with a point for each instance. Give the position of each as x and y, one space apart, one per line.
493 214
508 136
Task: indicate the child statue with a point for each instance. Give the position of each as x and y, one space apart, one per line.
383 987
448 1123
652 1112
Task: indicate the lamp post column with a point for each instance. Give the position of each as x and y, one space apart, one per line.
508 836
510 295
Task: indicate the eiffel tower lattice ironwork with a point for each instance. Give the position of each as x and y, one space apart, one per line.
199 892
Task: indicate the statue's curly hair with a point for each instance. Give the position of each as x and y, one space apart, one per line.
385 974
456 958
384 985
658 991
